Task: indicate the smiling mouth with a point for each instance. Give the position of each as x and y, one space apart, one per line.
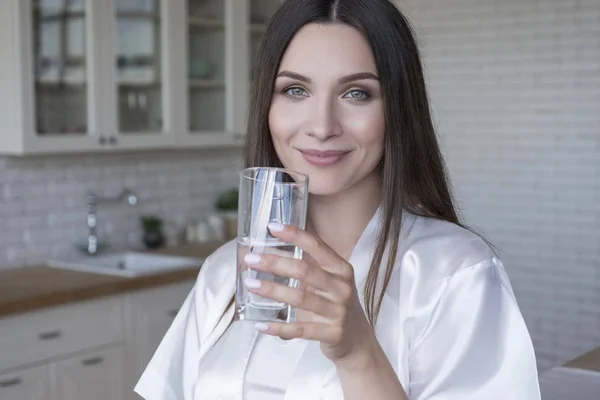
323 158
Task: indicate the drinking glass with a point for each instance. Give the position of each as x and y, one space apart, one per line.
267 195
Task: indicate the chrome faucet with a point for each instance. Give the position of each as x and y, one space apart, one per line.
93 245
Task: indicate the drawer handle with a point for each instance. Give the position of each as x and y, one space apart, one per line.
11 382
173 313
92 361
49 335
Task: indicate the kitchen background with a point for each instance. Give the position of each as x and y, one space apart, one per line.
515 90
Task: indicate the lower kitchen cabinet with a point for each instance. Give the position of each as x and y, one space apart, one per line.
88 350
29 384
151 314
93 376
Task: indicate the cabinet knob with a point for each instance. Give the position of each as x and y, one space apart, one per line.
49 335
112 140
173 313
11 382
102 140
92 361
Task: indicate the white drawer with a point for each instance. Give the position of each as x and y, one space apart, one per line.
91 376
56 331
30 384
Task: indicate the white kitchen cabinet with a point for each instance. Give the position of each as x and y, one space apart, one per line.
29 384
58 353
97 375
46 334
97 76
94 349
150 314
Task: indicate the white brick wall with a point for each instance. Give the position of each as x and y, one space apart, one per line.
515 87
42 199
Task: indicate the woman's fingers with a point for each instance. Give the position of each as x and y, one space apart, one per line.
310 275
300 298
304 330
318 249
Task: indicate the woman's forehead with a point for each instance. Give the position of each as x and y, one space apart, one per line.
335 49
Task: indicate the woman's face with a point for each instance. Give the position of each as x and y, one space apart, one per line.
327 114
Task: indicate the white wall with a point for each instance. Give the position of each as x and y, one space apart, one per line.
42 199
515 88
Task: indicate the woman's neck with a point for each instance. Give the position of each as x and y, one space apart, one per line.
339 220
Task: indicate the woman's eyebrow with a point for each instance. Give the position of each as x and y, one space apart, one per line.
357 77
341 81
294 75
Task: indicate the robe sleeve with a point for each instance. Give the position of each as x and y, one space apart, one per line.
475 344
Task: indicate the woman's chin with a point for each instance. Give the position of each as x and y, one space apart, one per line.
323 188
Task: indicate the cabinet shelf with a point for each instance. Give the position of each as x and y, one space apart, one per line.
138 85
258 28
206 84
138 15
205 23
59 84
59 15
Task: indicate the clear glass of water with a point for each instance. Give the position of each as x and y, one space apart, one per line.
267 195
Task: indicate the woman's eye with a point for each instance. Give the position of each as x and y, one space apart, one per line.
295 92
357 94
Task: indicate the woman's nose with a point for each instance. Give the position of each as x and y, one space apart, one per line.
324 122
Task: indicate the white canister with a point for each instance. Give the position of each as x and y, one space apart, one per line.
190 231
203 232
217 227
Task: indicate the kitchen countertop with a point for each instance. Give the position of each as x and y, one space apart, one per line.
578 379
589 361
38 286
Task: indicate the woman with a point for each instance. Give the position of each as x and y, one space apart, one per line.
398 300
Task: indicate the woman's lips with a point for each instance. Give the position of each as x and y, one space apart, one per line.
323 158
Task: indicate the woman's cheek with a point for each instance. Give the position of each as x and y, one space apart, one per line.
283 118
283 125
366 123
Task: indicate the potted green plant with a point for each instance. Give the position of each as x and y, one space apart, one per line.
153 236
227 206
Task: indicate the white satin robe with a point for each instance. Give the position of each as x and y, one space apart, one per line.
449 324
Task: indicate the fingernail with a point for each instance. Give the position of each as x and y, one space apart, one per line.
261 326
252 283
275 226
252 258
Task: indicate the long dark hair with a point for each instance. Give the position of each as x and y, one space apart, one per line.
413 171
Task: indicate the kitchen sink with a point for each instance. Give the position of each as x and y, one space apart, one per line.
129 263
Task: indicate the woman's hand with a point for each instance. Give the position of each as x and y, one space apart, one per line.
327 294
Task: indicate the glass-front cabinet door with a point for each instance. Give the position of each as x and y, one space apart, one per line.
214 64
60 66
206 66
222 40
139 65
61 84
261 12
138 78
